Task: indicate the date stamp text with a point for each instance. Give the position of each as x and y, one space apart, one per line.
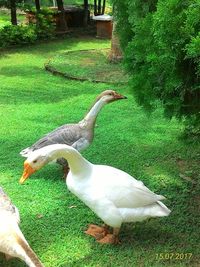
174 256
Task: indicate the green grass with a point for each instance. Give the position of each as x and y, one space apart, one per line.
92 65
5 18
32 103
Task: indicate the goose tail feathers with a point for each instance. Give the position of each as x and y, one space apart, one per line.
26 152
162 210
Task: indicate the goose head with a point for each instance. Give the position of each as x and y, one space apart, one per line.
40 157
109 96
36 160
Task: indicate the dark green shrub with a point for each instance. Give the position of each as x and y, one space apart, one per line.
192 127
45 23
43 28
17 35
161 43
6 3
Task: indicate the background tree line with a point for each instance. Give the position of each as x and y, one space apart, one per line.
41 21
98 7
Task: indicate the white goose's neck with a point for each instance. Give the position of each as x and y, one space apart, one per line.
78 165
94 111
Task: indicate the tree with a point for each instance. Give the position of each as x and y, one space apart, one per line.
85 19
161 45
95 7
99 9
37 5
12 5
62 20
13 12
115 54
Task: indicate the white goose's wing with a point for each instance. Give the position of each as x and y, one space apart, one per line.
122 189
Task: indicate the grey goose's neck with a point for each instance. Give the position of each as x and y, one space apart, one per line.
91 116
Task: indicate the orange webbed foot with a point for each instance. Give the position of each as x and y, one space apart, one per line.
97 231
109 239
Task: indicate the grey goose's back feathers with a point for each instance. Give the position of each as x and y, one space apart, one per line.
69 134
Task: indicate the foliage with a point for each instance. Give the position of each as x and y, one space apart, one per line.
192 128
4 19
6 3
47 3
45 23
17 35
42 27
161 49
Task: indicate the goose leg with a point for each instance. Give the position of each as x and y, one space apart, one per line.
63 162
65 171
110 208
111 238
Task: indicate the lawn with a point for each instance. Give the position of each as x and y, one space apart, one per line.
32 103
4 19
92 65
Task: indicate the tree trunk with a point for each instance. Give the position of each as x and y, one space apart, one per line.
95 7
13 12
104 6
62 20
116 52
85 19
99 7
37 5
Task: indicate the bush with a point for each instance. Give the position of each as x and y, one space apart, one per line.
45 23
17 35
6 3
42 28
161 43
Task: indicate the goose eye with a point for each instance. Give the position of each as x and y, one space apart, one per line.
35 161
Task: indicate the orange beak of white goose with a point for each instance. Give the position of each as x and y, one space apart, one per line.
28 171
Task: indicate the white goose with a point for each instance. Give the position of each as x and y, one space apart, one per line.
114 195
78 135
12 241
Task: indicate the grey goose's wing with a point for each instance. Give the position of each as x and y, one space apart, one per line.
7 206
67 134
